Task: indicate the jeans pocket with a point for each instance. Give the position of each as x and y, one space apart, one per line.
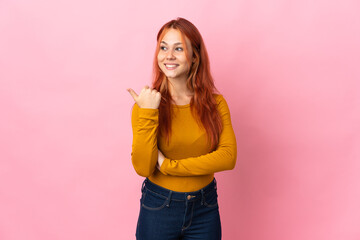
211 199
153 201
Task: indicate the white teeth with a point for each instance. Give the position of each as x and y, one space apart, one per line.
170 65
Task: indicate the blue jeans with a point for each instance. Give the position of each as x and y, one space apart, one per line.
170 215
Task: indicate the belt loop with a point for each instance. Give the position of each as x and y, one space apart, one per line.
202 197
169 198
143 185
215 185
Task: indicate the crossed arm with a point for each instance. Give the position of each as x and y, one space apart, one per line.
146 156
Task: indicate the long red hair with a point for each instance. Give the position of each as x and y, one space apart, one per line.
200 81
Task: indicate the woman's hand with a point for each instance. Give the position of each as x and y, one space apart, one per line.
161 158
148 98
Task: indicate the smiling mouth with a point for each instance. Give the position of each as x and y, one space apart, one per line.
171 66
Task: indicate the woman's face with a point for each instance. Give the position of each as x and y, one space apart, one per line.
172 58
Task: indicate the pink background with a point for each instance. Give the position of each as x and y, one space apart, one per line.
288 69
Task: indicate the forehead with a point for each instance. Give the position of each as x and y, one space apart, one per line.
173 36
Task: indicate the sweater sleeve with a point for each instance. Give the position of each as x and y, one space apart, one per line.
223 158
144 153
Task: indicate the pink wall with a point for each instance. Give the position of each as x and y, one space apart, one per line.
288 69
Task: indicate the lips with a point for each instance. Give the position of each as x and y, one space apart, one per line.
170 66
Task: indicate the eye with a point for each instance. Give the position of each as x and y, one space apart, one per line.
179 49
163 48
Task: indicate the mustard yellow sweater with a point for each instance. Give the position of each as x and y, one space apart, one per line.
189 163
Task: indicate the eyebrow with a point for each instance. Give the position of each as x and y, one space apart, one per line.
178 43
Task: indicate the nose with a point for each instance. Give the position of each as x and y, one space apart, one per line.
170 55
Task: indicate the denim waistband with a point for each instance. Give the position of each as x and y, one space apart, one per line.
180 196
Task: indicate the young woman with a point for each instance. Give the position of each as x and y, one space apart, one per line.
182 135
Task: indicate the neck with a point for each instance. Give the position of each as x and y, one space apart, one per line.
178 88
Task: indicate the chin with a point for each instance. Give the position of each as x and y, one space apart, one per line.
170 75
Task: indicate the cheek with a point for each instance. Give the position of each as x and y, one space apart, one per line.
160 57
159 61
182 58
187 64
